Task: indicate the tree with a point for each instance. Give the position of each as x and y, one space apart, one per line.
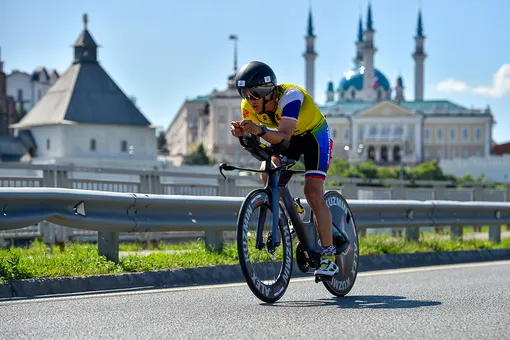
429 171
161 142
197 157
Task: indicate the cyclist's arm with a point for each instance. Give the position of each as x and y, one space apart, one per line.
290 104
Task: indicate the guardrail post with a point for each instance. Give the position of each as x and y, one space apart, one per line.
214 240
150 184
108 245
226 187
438 196
495 233
478 195
398 192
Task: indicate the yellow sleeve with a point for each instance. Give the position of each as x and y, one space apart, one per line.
248 113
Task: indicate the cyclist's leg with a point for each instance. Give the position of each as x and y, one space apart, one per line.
317 148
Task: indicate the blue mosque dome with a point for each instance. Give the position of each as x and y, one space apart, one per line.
354 77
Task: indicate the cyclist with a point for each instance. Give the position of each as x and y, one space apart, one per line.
292 114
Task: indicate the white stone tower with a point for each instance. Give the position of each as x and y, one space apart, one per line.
419 58
368 57
310 56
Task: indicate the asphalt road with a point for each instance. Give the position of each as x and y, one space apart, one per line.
470 301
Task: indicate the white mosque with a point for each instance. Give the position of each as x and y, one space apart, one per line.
369 119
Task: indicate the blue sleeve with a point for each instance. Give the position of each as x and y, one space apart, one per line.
291 110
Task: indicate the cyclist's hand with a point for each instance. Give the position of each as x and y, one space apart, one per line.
235 129
250 127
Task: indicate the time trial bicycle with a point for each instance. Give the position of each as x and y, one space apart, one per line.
268 221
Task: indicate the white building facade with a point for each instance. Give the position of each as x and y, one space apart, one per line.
30 88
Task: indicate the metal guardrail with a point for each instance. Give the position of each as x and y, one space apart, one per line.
110 213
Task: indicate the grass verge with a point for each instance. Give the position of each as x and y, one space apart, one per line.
82 259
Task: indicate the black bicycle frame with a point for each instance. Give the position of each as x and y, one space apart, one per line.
306 231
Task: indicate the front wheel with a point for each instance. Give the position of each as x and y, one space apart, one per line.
343 219
266 266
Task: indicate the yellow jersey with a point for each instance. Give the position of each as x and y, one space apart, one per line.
293 102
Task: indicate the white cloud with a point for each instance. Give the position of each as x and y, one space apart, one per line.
499 88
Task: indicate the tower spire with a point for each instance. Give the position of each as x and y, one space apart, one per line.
419 28
310 22
359 43
369 80
85 48
310 56
419 60
369 17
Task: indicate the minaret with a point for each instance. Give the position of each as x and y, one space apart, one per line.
419 58
85 48
310 56
368 57
359 44
330 93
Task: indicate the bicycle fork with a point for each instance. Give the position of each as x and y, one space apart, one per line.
275 238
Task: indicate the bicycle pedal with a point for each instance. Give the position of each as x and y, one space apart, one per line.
321 278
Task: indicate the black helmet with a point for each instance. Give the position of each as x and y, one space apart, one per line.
255 80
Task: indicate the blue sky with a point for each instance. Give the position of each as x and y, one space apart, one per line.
163 52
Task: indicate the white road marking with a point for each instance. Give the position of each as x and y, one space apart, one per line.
146 290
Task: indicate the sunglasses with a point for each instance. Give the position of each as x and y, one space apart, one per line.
256 92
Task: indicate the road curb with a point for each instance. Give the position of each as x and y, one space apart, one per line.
224 274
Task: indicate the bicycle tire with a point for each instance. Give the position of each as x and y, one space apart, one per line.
272 292
342 283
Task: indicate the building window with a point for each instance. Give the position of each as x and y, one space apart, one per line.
440 134
222 115
385 131
346 134
47 144
452 133
333 134
427 155
465 133
353 94
478 133
123 146
39 94
426 133
372 132
92 145
20 95
466 153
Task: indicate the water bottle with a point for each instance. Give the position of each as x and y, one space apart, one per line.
301 212
299 208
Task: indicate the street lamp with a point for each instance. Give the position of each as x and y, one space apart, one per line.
235 38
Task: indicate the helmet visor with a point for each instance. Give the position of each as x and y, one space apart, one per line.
256 92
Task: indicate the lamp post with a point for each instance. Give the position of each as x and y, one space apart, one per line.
234 38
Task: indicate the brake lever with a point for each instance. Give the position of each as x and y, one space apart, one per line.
225 167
